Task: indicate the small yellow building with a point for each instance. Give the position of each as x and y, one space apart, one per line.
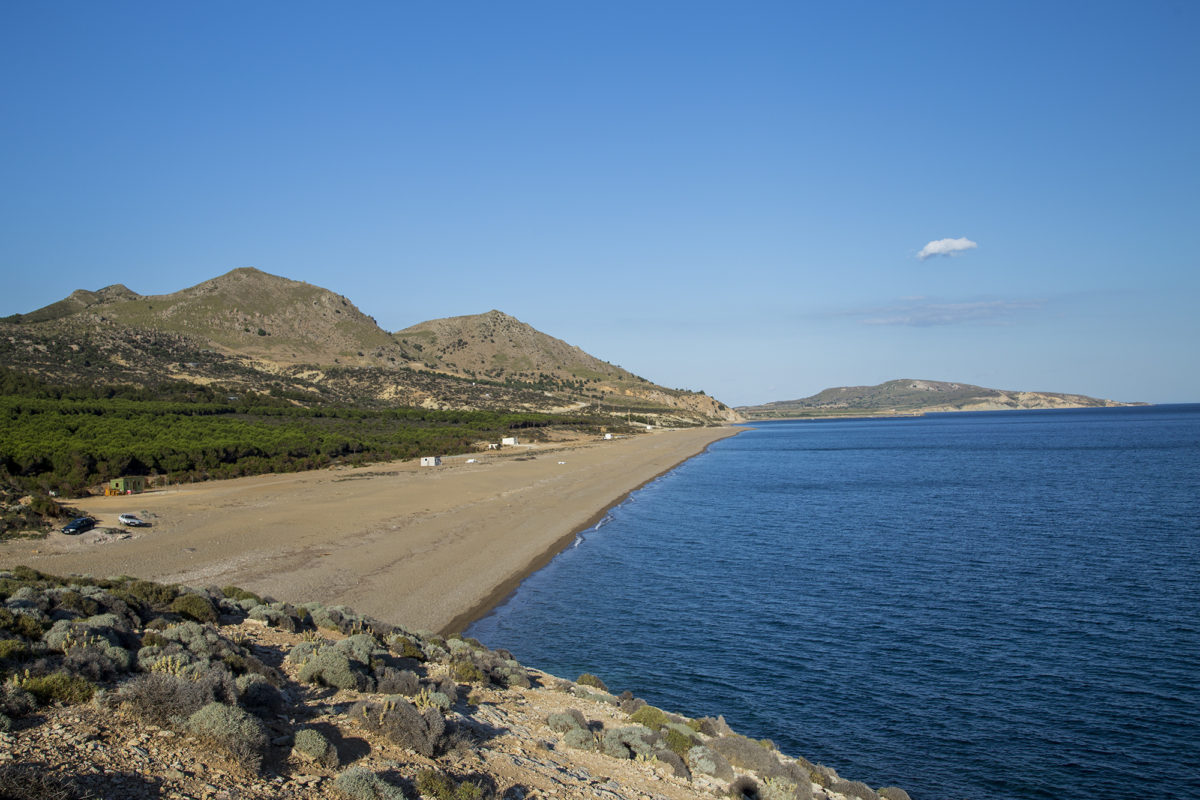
131 484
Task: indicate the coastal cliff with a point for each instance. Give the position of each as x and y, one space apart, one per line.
127 688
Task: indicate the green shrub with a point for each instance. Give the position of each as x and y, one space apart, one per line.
438 785
406 648
653 718
21 624
588 679
154 595
26 574
58 687
893 793
233 730
195 607
823 776
468 672
74 601
679 742
235 593
13 650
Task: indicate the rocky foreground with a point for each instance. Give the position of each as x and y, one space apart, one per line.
120 688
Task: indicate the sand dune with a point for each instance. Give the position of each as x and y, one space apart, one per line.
429 548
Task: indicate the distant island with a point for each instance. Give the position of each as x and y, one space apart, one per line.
908 396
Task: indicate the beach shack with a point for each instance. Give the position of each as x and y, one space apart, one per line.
431 461
509 440
131 484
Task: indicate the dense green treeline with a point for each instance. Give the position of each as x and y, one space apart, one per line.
75 439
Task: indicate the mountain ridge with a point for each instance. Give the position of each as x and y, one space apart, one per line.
918 396
248 330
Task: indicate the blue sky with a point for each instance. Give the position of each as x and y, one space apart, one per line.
732 197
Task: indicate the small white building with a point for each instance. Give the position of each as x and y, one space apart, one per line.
509 440
431 461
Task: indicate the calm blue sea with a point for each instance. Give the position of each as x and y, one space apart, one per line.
973 605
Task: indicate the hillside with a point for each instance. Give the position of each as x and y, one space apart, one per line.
909 396
248 331
125 688
497 346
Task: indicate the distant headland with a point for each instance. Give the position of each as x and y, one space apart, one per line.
908 396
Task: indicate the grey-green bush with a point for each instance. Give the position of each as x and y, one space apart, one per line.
258 696
674 761
785 789
360 783
390 680
893 793
707 761
567 720
233 730
749 755
854 789
311 744
331 666
580 739
628 742
169 700
423 732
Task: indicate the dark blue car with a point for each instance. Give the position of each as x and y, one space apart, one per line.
78 525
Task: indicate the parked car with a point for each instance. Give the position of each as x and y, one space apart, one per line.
78 525
133 521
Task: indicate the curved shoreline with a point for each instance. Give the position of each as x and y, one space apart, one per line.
426 548
501 593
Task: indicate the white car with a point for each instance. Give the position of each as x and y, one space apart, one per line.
133 521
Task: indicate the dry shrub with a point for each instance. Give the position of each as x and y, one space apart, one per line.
233 730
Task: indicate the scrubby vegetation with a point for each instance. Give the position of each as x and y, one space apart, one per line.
69 439
170 657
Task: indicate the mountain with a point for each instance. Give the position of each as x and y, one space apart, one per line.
251 331
908 396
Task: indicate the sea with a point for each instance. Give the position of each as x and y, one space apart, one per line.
965 605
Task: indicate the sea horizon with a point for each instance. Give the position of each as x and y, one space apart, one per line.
935 602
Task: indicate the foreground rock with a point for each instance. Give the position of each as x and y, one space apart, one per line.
124 688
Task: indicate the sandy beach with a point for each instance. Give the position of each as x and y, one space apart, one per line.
429 548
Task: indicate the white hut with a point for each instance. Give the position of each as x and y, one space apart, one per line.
509 440
431 461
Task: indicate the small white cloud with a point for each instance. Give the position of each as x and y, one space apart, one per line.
946 247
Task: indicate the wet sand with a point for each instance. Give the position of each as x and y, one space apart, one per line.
430 548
